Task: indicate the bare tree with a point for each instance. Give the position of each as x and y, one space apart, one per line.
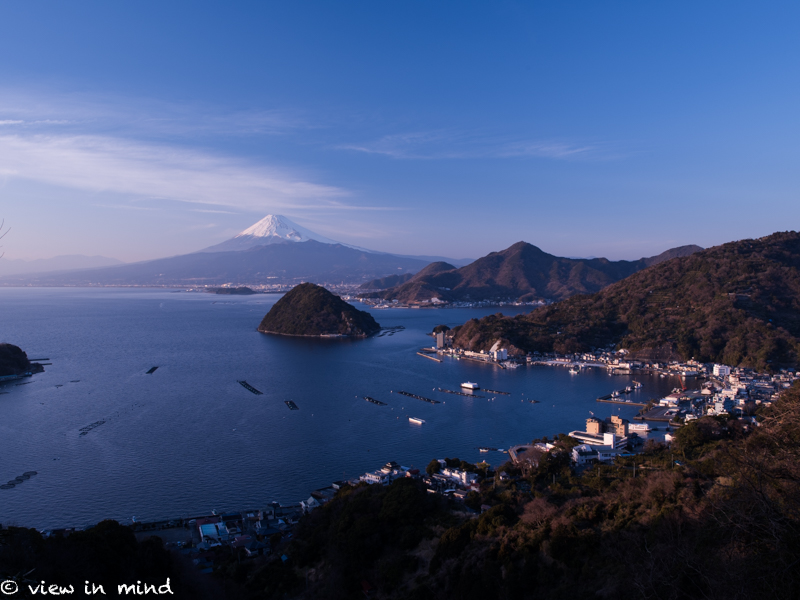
3 234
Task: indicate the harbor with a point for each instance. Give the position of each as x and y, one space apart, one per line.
241 435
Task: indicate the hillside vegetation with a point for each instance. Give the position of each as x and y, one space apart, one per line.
521 272
737 304
310 309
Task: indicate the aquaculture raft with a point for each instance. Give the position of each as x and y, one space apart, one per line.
250 388
423 398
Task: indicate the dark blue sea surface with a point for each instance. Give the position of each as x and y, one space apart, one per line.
188 438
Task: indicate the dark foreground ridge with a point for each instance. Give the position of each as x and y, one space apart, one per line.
736 304
311 310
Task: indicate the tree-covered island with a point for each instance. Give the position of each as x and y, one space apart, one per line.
311 310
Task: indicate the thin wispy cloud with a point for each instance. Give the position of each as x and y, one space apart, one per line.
139 118
432 145
105 164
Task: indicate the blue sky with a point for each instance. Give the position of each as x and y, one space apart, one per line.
620 129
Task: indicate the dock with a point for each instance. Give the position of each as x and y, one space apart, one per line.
429 356
291 405
151 371
609 400
250 388
423 398
371 399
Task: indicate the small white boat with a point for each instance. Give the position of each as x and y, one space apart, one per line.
468 385
575 370
416 421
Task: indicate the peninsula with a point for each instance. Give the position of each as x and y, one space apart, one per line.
311 310
233 291
14 362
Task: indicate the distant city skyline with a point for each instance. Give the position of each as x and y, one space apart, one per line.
618 129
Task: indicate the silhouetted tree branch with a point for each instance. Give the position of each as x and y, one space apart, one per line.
3 234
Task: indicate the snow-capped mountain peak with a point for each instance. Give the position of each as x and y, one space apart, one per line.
273 229
278 226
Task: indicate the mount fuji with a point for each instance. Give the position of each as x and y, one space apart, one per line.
273 251
273 229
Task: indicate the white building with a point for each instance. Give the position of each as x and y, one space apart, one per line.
498 353
386 475
597 440
585 453
463 477
721 370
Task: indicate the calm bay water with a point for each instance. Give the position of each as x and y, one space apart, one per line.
188 438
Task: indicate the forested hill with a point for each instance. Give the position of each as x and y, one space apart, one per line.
521 271
13 360
737 304
311 310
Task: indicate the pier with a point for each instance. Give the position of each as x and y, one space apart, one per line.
496 392
423 398
250 388
429 356
610 400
